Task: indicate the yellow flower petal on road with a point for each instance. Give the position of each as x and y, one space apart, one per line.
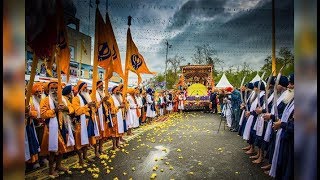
133 168
191 173
110 161
156 159
199 163
82 171
153 175
124 173
133 149
116 178
111 168
178 150
108 171
167 163
237 172
171 168
161 170
95 175
180 157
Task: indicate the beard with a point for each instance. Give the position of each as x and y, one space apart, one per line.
101 92
54 97
288 96
43 96
86 96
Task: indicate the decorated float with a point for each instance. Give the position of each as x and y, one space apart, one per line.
196 81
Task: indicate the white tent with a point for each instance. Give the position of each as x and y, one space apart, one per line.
257 78
224 82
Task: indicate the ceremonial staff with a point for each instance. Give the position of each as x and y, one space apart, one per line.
259 85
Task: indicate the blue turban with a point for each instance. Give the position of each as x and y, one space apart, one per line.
284 82
272 82
149 90
67 90
262 86
250 85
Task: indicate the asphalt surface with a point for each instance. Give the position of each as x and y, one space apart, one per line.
186 146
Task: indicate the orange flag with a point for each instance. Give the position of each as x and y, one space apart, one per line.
134 60
108 51
63 43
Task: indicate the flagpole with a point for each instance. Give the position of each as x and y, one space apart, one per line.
126 70
95 59
273 41
32 76
79 72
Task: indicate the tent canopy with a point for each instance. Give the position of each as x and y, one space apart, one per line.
257 78
223 82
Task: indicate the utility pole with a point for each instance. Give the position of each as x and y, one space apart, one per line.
165 74
273 41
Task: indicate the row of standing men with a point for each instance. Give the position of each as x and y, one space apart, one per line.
53 129
266 124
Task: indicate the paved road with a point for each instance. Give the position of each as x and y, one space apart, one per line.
185 146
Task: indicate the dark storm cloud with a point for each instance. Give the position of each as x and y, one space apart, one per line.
195 8
245 34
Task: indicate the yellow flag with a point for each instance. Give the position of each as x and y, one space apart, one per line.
134 60
63 44
108 51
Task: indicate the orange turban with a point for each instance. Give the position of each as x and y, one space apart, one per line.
36 87
81 85
52 83
131 91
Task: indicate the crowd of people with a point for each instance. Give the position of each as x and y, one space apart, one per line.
264 116
82 121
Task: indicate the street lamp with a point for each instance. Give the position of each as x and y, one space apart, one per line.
165 74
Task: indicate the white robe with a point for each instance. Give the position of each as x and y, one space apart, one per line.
246 133
227 111
181 99
286 114
150 113
269 125
119 114
132 117
139 103
169 106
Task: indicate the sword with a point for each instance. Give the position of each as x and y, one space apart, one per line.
267 92
240 87
259 84
275 96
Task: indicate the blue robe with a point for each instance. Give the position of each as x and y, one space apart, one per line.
286 151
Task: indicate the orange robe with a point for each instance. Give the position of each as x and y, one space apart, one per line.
79 111
114 130
47 113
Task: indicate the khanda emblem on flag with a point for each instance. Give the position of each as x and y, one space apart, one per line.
136 61
105 53
62 40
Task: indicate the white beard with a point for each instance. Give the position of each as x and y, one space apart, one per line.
101 93
86 96
54 98
288 96
43 96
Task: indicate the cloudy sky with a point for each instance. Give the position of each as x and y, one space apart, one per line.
239 30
